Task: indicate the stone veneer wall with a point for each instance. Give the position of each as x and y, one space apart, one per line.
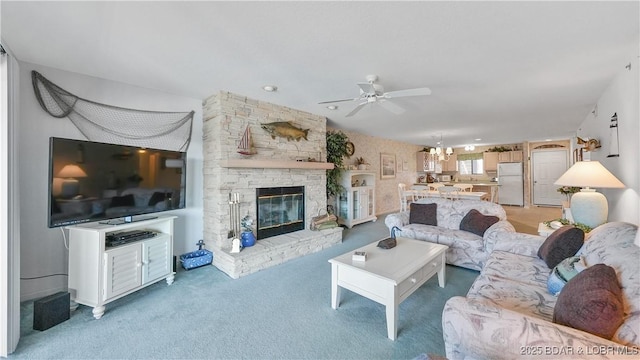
370 147
225 117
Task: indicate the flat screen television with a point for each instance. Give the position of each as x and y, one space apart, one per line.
91 181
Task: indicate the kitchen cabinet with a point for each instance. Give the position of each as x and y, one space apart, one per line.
99 274
424 162
510 156
357 203
451 165
490 161
517 156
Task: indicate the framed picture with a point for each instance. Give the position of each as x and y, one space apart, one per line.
405 165
387 166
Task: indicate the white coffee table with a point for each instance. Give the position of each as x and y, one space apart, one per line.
388 276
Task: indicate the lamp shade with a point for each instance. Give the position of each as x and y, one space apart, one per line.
589 174
72 171
589 207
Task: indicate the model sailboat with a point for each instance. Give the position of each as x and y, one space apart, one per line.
246 144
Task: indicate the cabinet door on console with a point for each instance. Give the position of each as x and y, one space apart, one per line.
123 270
156 257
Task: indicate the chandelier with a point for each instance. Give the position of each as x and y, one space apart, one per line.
438 154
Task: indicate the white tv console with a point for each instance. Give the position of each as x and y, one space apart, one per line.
100 274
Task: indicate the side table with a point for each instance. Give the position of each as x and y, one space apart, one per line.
544 230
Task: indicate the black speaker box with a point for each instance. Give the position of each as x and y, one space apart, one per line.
51 310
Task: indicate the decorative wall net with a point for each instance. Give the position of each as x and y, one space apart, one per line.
112 124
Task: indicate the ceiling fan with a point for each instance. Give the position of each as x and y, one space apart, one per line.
370 93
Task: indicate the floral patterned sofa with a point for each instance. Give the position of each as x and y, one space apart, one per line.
508 312
466 249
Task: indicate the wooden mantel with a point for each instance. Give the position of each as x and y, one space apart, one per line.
275 164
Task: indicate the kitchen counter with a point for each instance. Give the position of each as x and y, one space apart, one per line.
474 183
451 183
492 185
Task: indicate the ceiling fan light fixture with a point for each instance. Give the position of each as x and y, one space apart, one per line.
270 88
371 92
332 107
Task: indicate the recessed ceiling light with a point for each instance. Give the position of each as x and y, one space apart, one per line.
547 139
478 139
270 88
332 107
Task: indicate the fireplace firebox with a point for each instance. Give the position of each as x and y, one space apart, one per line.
280 210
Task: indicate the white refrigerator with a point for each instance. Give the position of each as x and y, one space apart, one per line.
510 184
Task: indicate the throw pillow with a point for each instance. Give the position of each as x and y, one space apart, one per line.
591 302
127 200
563 272
561 244
477 223
425 214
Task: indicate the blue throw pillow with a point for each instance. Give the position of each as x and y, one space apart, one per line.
563 272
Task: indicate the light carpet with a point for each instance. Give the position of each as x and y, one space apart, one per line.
283 312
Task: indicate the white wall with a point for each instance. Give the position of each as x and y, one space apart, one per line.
42 249
9 205
621 97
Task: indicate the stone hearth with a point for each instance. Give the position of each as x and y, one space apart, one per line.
277 164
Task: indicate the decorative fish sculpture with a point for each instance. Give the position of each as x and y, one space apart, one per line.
285 129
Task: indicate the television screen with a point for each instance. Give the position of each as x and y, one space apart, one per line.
91 181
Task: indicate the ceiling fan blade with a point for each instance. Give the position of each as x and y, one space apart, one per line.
394 108
408 92
334 101
358 108
367 88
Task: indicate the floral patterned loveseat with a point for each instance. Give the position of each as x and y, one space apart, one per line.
466 249
508 312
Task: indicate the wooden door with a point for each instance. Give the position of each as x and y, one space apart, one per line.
547 166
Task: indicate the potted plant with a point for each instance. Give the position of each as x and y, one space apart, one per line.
362 163
336 150
247 237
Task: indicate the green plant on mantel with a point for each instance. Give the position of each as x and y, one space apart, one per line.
336 150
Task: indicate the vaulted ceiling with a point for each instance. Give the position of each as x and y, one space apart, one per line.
501 72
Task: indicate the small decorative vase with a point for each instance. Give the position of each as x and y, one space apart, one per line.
362 167
248 239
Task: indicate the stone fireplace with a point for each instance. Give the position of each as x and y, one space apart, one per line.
279 163
279 210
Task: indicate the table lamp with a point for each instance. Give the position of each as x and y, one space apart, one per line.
589 207
70 185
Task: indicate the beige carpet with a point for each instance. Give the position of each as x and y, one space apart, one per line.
526 220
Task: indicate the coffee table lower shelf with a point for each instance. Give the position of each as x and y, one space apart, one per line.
388 276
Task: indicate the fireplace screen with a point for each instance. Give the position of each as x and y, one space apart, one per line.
280 210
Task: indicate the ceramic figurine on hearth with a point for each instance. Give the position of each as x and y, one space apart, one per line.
248 239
